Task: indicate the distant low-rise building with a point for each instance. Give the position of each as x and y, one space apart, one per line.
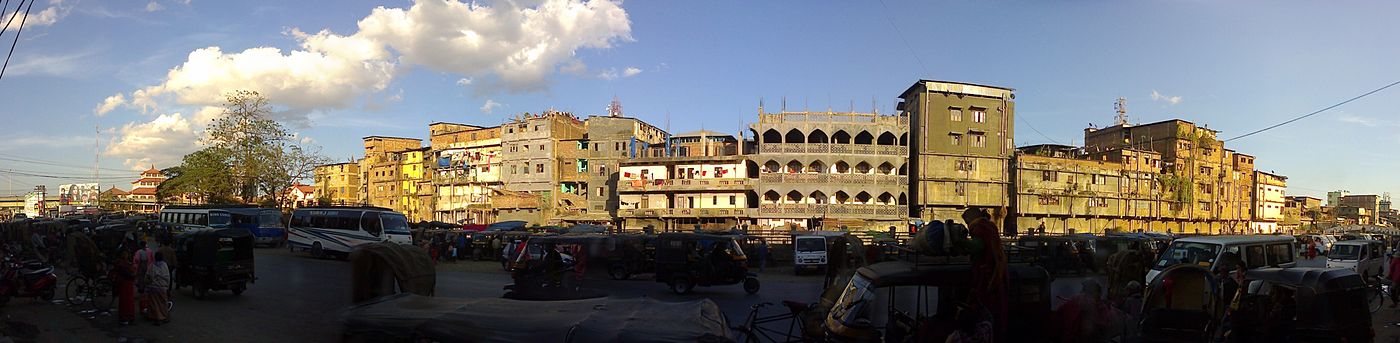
339 183
300 195
1269 203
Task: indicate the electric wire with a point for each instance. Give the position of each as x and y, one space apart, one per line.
1315 112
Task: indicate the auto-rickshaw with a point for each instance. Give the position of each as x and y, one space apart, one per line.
1182 304
634 254
906 301
1303 305
686 260
1056 253
215 259
536 277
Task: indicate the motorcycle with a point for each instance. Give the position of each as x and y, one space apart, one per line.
27 279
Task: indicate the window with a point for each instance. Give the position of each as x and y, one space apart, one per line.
598 191
979 115
732 201
527 168
1205 206
960 189
512 169
541 147
1049 200
1049 176
539 167
966 166
956 139
955 114
595 146
1098 202
1254 256
537 127
370 223
603 171
714 200
979 140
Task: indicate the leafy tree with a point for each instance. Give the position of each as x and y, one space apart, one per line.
248 156
203 174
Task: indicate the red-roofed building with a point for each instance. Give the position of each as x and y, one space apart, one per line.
302 195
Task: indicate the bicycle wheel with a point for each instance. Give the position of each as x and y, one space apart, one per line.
1375 299
74 292
102 294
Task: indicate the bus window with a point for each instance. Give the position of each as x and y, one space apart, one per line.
1280 254
201 219
370 223
301 219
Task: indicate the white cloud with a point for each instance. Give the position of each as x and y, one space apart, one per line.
153 6
45 17
501 45
72 64
1365 121
161 141
1169 99
574 67
464 81
109 104
631 71
490 105
610 74
520 46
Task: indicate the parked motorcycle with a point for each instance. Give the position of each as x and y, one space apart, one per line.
26 279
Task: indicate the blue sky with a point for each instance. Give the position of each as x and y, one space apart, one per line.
1235 66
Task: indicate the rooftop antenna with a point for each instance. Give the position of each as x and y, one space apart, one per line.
874 105
760 105
1121 119
615 108
784 109
97 158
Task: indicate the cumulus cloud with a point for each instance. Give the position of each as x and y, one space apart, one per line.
109 104
45 17
161 141
153 6
503 45
490 105
1156 96
574 67
631 71
613 74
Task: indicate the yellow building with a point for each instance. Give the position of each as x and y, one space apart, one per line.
412 171
339 183
385 175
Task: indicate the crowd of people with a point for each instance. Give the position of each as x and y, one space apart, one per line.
140 263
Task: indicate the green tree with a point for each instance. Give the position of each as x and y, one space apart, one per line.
203 174
248 156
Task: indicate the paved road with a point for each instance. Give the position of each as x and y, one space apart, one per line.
298 299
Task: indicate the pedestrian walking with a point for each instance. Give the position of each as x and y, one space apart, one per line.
157 290
762 255
1393 273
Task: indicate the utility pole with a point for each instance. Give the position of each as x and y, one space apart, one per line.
97 162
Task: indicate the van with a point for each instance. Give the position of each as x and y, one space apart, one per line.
1366 257
1255 251
809 250
338 230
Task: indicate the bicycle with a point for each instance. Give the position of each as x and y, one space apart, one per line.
753 328
1378 293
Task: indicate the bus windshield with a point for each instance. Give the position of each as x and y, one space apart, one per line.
219 219
395 223
1188 252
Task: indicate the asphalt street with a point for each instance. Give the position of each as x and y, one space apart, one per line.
299 299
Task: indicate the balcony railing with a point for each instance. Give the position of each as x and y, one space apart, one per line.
684 212
827 148
832 117
863 211
838 179
661 185
465 179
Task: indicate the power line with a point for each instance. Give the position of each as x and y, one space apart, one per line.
901 37
1315 112
6 8
1028 124
17 32
16 158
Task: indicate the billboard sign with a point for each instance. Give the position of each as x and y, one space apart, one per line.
78 194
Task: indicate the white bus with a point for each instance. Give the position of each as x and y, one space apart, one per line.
183 218
337 231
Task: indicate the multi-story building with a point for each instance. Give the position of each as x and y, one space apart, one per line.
825 170
1065 190
961 136
1370 203
384 167
609 140
541 159
414 184
1269 203
1204 182
1334 198
339 183
467 164
1300 213
698 179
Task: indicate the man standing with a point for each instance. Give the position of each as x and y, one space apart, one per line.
988 267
